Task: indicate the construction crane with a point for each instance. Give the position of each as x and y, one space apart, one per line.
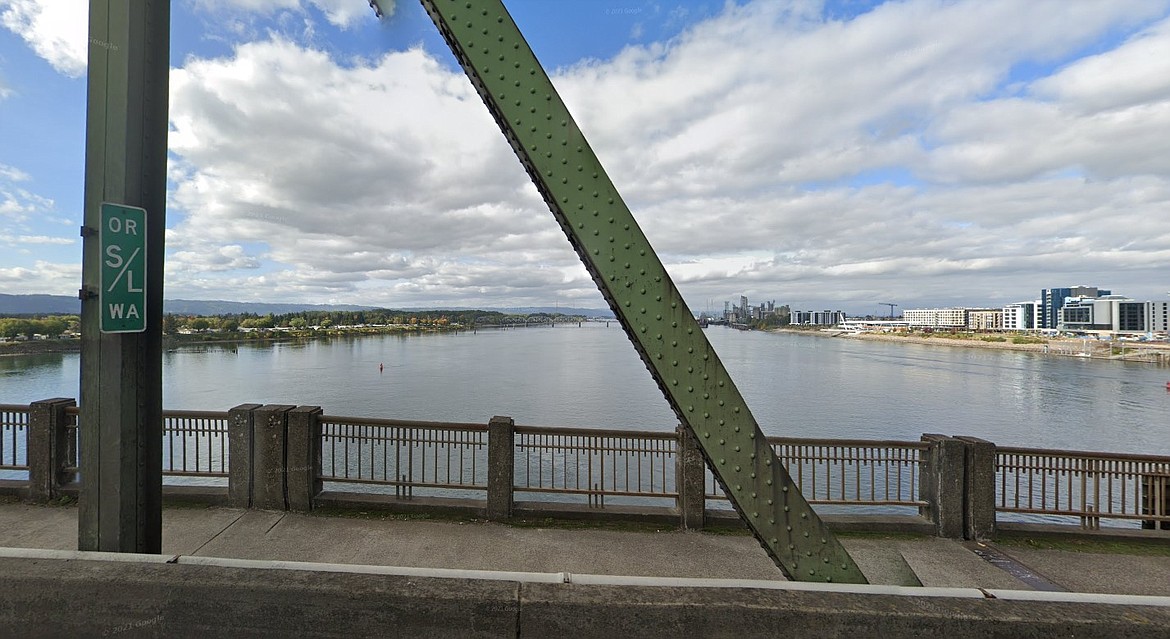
891 305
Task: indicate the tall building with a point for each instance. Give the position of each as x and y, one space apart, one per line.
1052 301
1019 316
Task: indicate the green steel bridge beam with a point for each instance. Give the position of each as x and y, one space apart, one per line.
600 227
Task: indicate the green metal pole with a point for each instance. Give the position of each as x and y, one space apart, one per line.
625 267
120 508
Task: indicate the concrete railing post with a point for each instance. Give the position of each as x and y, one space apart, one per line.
941 484
690 480
501 467
979 488
303 459
47 446
270 440
240 454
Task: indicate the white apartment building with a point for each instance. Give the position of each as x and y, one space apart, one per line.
1020 316
980 319
935 317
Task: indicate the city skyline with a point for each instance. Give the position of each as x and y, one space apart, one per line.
831 154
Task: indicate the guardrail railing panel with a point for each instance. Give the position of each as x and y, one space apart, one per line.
404 454
14 421
195 443
1088 486
596 463
849 472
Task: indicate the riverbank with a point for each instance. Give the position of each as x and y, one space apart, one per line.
170 342
1150 352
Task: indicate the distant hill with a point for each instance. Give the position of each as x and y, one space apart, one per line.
39 304
66 305
224 307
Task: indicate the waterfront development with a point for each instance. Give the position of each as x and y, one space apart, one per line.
589 376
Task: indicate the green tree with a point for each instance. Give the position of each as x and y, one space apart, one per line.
53 326
199 324
298 323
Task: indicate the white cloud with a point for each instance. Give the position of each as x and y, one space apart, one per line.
41 278
19 204
25 240
55 29
341 13
747 147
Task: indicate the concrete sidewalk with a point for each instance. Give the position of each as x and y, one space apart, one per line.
474 545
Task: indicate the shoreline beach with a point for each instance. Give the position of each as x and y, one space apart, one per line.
1150 352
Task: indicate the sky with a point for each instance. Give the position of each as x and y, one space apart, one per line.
826 154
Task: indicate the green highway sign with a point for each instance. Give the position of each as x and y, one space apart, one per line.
123 293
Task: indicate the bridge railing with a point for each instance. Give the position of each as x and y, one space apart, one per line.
404 455
1062 486
595 463
848 471
402 459
14 419
195 443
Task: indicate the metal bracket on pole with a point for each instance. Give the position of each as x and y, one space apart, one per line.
625 267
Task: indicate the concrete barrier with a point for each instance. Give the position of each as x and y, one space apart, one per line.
57 593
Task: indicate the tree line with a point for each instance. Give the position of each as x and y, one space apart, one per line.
54 326
333 319
49 326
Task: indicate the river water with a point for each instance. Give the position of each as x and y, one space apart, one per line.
796 385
